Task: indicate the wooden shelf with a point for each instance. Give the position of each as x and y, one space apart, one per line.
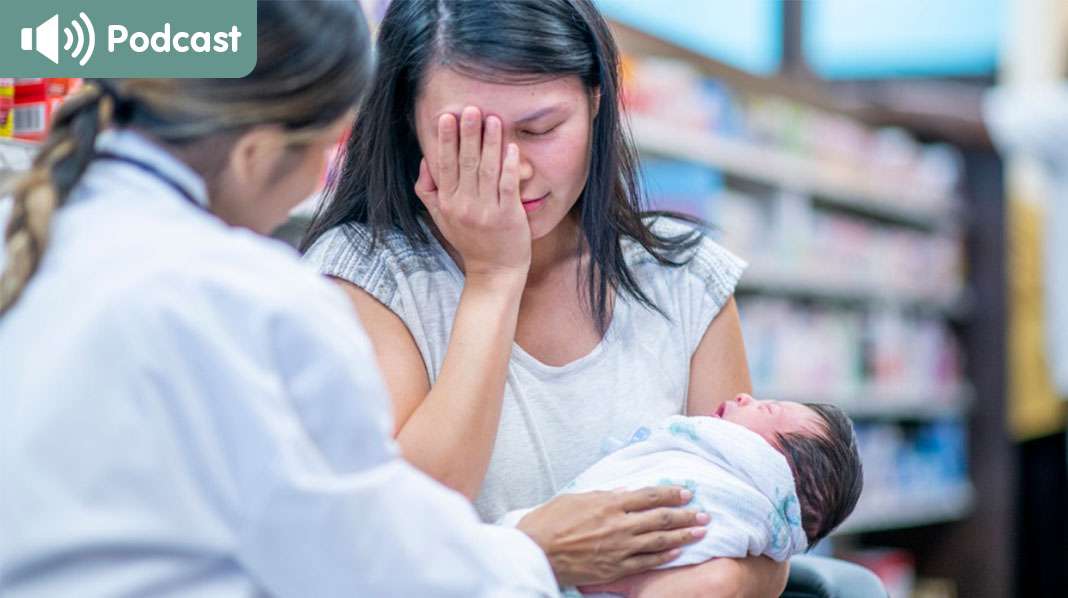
936 505
829 183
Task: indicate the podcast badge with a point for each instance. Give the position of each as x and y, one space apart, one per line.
107 38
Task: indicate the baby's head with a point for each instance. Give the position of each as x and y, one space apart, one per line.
821 449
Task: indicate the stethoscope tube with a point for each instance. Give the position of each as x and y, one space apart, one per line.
152 170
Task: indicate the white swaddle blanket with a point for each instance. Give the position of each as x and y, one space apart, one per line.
740 480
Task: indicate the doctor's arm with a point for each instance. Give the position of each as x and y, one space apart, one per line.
286 428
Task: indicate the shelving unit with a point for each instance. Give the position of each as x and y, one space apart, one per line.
814 284
860 192
871 402
937 505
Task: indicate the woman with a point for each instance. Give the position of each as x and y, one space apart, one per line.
189 410
486 225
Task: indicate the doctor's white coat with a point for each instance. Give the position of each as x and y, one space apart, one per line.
188 410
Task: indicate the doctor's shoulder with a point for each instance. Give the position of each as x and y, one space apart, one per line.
236 279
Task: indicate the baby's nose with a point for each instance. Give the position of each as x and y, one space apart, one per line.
744 399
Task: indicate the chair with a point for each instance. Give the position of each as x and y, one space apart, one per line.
822 577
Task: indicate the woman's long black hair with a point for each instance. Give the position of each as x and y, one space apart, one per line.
498 40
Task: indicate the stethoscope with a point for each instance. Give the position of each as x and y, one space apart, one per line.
152 170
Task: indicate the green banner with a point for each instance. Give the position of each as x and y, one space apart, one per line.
124 38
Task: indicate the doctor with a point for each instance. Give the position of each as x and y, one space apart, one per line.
187 410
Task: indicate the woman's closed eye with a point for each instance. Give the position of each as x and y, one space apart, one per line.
540 132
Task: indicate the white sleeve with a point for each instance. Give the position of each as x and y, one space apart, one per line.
287 425
712 276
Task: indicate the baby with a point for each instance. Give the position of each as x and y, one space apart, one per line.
775 477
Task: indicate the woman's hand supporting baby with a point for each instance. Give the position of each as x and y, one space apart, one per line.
599 537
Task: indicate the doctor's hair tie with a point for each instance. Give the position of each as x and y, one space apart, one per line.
123 106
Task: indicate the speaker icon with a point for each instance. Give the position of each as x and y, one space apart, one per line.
45 39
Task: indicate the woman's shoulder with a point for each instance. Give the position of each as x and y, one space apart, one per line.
692 253
372 259
354 245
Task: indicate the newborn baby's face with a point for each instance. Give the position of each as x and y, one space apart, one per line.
769 418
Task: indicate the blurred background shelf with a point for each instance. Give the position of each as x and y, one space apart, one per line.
871 240
15 157
917 508
876 402
762 277
831 183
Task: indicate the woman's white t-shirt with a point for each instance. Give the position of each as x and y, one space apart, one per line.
555 421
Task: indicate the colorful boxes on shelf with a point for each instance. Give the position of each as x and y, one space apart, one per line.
7 102
34 103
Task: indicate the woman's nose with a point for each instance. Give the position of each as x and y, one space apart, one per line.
526 169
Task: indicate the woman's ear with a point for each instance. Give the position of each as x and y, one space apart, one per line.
595 100
254 156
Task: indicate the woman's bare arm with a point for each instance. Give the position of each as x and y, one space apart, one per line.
447 430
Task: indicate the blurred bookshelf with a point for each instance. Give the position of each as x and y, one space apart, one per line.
872 402
827 181
767 278
895 511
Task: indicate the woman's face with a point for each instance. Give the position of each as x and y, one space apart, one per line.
550 121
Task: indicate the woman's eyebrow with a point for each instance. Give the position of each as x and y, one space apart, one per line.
533 116
538 114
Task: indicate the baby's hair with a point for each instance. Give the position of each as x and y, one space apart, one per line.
827 471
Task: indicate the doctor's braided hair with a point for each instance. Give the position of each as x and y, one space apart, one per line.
58 166
313 62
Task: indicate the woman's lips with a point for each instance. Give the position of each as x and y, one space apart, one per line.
532 204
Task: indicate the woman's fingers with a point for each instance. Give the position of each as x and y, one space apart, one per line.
470 161
489 169
426 189
644 562
653 497
448 146
470 150
658 542
509 183
493 238
666 518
